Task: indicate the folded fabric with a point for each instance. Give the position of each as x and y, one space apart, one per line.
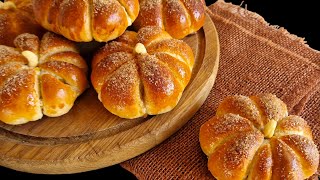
255 58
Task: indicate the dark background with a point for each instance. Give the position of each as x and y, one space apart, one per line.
298 17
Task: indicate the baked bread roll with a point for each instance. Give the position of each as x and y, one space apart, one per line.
16 17
39 77
84 20
254 138
178 17
142 73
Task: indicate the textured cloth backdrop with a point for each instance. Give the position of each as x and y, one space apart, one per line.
255 58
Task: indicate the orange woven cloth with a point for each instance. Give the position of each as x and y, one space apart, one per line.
255 58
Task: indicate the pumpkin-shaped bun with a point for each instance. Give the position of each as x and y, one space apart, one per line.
254 138
39 78
142 73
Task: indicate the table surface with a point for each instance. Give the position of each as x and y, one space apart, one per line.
292 17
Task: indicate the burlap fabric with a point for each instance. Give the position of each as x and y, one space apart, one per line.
255 58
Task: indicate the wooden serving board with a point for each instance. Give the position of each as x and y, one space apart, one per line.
89 137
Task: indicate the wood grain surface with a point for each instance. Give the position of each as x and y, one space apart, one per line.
89 137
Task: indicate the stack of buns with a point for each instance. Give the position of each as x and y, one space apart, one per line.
136 75
254 138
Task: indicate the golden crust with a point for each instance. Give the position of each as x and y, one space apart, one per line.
8 70
130 7
286 164
150 14
52 43
129 38
152 34
50 88
71 74
110 48
27 42
232 158
178 17
177 48
306 151
105 26
11 55
17 20
84 20
293 125
287 151
271 107
107 66
19 98
158 77
262 163
243 106
216 130
161 89
69 57
73 20
175 17
120 93
178 68
57 97
51 14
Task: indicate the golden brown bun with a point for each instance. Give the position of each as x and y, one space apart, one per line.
16 17
142 73
178 17
254 138
39 78
85 20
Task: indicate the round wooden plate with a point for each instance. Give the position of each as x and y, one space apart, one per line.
89 137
